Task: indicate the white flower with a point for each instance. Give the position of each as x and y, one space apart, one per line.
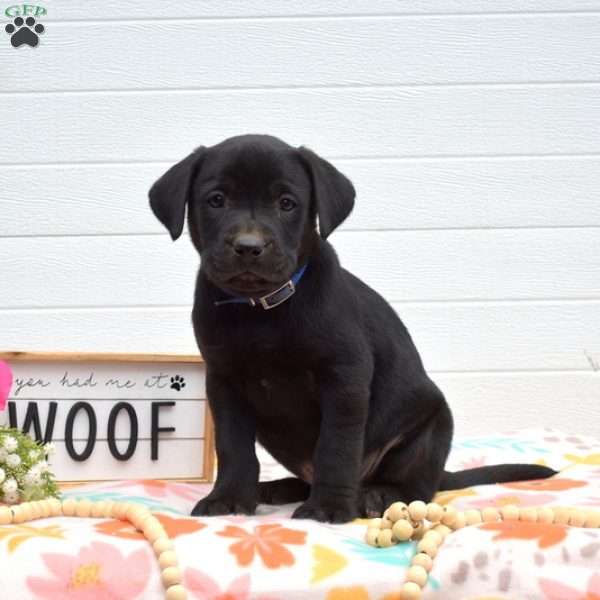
13 460
32 477
42 466
10 443
34 455
11 497
50 448
3 455
9 486
2 475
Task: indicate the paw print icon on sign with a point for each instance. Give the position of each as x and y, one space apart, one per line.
177 383
24 32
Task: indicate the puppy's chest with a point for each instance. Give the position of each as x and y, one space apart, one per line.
288 396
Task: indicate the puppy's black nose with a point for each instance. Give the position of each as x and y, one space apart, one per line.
249 245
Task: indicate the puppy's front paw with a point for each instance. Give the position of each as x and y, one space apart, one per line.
331 512
223 505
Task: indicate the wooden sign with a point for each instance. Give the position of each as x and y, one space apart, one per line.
114 416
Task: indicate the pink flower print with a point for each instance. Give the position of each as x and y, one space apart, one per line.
99 572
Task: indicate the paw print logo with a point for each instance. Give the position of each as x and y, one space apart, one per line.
177 383
24 32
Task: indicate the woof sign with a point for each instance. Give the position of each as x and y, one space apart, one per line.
114 416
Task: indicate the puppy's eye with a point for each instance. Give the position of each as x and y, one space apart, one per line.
216 200
287 203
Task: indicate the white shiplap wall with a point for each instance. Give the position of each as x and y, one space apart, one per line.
470 128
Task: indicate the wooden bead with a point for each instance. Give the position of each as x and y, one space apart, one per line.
375 523
385 538
154 531
56 507
422 560
592 519
163 544
510 512
98 509
490 515
386 523
396 511
36 510
45 508
6 515
18 515
26 510
176 592
410 591
459 522
171 576
137 514
371 537
68 507
561 515
434 536
472 516
435 512
545 515
417 510
443 530
419 529
139 517
417 575
402 530
83 508
577 518
119 510
107 513
427 547
449 515
167 559
528 514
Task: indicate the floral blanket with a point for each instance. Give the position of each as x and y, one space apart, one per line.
272 557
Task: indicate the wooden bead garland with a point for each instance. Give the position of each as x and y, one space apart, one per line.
139 516
432 523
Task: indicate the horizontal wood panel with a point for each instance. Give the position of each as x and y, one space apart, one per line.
488 403
382 51
117 10
164 126
407 266
187 416
392 194
503 336
177 459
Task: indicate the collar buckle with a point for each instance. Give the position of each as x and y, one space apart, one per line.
285 291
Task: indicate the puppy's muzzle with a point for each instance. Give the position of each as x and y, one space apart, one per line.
249 245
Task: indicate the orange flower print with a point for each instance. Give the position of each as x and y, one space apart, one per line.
546 485
358 592
268 541
124 529
546 534
553 590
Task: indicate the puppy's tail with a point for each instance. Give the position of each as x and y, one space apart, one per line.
493 474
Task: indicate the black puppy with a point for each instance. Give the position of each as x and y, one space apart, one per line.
300 354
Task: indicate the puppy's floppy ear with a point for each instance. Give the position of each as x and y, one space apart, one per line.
333 192
169 195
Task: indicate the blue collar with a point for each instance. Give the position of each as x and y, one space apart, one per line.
274 298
